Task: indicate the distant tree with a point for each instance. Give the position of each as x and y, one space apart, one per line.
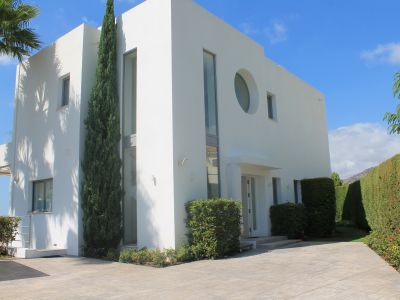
17 39
393 119
101 189
336 179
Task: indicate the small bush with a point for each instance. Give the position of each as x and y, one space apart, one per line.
319 199
213 227
386 245
156 257
8 232
112 255
288 219
184 254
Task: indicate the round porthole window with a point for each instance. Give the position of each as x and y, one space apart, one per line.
242 92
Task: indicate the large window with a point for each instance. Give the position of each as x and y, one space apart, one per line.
129 148
42 196
211 118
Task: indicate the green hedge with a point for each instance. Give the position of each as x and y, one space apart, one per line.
213 227
319 199
341 193
288 219
8 231
374 203
380 191
349 206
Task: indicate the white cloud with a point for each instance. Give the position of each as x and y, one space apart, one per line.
383 53
88 21
248 28
361 146
7 60
277 32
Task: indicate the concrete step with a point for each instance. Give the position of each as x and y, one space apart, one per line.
278 244
37 253
129 247
254 241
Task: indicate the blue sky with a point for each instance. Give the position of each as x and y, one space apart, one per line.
349 50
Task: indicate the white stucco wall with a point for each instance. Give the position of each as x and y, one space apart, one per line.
296 144
147 28
47 138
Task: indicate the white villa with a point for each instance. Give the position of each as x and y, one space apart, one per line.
204 114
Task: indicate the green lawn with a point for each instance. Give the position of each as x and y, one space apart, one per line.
345 233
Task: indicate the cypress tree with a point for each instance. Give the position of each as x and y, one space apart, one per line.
101 188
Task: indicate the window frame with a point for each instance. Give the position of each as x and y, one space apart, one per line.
297 191
211 139
242 80
271 107
276 182
65 100
45 183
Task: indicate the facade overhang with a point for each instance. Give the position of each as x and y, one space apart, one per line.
252 161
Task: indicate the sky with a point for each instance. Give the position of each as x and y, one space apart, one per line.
349 50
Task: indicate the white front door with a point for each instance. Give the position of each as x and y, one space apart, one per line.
249 206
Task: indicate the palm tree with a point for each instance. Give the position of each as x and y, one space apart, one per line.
17 39
393 119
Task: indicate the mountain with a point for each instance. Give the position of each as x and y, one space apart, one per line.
356 177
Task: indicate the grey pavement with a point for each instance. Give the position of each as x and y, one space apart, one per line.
306 271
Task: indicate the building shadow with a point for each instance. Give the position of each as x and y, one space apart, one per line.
11 270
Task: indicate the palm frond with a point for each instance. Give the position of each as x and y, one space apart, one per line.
17 39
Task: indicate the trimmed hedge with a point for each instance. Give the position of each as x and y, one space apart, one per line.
380 191
349 206
8 231
288 219
213 227
374 203
319 199
341 193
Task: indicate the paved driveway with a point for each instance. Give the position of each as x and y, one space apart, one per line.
307 271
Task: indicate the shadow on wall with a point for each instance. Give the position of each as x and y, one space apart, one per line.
44 133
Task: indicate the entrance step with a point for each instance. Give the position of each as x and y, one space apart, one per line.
278 244
254 241
37 253
129 247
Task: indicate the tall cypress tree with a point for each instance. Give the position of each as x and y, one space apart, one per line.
101 190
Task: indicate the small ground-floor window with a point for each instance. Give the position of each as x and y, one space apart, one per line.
42 195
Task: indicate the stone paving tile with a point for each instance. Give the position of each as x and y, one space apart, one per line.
307 271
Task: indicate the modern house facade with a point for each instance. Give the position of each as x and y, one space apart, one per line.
203 114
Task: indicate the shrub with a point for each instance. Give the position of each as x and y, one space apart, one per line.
386 245
156 257
184 254
213 227
8 232
112 254
318 196
288 219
